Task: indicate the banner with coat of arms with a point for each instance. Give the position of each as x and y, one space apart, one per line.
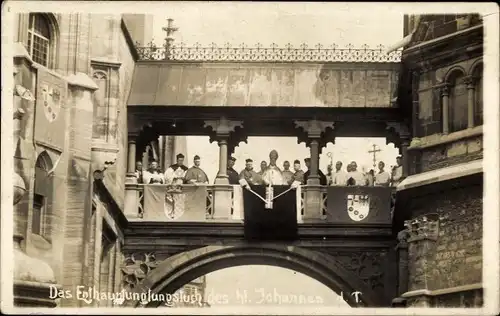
51 106
175 202
359 205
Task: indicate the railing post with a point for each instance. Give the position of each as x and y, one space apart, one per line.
223 192
313 198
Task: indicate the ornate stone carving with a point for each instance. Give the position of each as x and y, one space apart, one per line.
223 127
403 238
366 265
445 90
136 267
314 128
470 82
423 227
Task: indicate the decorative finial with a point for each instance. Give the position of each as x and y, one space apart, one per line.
170 29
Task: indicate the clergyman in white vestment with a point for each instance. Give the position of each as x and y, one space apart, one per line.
273 175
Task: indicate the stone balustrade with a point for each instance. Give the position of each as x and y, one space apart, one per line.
198 202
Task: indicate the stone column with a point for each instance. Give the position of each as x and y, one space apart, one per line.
469 81
422 235
313 202
222 174
131 187
446 115
314 148
402 250
131 154
222 199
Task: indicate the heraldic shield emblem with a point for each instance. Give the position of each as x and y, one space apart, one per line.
174 202
51 102
358 206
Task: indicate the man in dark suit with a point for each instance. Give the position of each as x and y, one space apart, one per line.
231 173
322 177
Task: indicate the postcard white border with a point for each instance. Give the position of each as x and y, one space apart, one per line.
491 160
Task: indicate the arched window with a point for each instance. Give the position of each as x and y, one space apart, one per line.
42 199
39 39
458 103
478 95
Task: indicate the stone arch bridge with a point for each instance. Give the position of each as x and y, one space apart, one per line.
229 94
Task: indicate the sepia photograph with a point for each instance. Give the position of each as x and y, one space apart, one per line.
250 157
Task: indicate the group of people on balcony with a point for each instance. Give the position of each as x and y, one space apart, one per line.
177 173
271 174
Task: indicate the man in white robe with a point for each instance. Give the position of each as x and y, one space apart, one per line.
153 176
339 177
397 172
273 175
175 173
355 177
382 178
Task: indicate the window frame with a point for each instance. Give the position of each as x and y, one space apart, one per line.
32 33
41 209
478 78
456 78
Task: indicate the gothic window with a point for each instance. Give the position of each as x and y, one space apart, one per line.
42 198
101 115
458 101
40 39
478 96
38 214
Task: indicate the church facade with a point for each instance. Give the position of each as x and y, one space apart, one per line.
72 77
441 90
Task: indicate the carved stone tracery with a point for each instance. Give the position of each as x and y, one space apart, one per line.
136 267
368 266
423 227
223 126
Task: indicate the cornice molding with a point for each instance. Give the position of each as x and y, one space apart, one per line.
438 51
82 80
103 62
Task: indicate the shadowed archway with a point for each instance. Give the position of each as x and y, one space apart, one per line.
174 272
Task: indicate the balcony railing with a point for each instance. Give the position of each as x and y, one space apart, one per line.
197 202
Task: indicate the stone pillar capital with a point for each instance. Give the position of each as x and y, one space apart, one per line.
425 227
470 82
223 127
132 137
222 141
314 128
445 90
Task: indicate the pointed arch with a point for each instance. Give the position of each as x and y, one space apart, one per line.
44 161
174 272
42 196
43 38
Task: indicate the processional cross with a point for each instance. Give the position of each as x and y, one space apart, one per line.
374 152
170 29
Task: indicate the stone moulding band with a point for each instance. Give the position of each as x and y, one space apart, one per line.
273 53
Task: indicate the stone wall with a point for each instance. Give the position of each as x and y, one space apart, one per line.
434 26
430 83
72 245
126 72
455 259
